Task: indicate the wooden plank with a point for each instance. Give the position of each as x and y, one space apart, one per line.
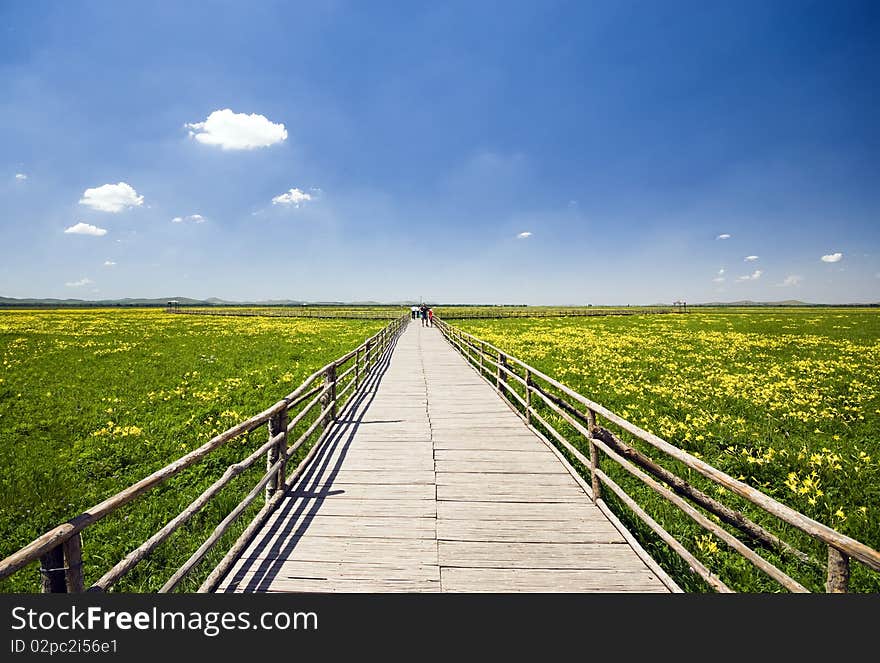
517 511
513 492
543 580
506 554
529 531
361 491
502 480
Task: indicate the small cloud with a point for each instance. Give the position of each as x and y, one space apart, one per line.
109 263
79 284
750 258
195 218
237 131
21 177
832 257
112 197
721 272
524 235
293 198
85 229
718 279
723 236
791 280
754 276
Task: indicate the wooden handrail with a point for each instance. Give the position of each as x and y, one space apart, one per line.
65 537
840 546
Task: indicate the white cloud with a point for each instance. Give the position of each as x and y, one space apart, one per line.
112 197
237 131
524 235
723 236
754 276
791 280
85 229
109 263
721 272
832 257
750 258
195 218
20 177
79 284
293 197
718 279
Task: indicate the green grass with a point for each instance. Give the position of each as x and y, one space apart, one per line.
91 401
787 400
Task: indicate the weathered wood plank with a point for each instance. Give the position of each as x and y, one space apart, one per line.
544 580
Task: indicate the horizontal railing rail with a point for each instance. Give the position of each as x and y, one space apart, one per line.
533 395
325 391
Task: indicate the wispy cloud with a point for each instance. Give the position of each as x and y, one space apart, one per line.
109 263
85 229
524 235
791 280
832 257
112 197
750 258
754 276
293 198
195 218
79 284
723 236
237 131
21 177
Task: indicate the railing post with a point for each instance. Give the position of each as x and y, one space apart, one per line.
367 357
838 572
357 368
277 424
330 394
594 457
501 376
73 573
528 397
52 571
482 352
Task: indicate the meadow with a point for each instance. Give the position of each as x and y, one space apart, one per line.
93 400
787 400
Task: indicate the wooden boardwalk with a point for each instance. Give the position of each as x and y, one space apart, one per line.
429 483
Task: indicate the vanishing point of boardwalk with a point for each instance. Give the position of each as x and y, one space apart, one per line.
429 483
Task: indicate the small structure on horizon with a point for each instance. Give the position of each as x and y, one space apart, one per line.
173 306
681 307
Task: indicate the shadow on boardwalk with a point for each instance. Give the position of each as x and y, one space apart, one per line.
276 543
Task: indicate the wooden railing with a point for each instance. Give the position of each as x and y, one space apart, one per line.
533 395
329 388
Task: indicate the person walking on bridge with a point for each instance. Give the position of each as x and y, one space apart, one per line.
423 314
430 317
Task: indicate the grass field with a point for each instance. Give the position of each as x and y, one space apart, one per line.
786 400
93 400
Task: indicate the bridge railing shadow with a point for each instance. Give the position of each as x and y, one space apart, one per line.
276 543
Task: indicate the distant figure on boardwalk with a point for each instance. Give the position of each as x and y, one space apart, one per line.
413 311
430 317
423 314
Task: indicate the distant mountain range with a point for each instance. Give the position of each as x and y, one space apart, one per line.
11 302
185 301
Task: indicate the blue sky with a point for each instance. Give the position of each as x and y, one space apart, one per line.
421 140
